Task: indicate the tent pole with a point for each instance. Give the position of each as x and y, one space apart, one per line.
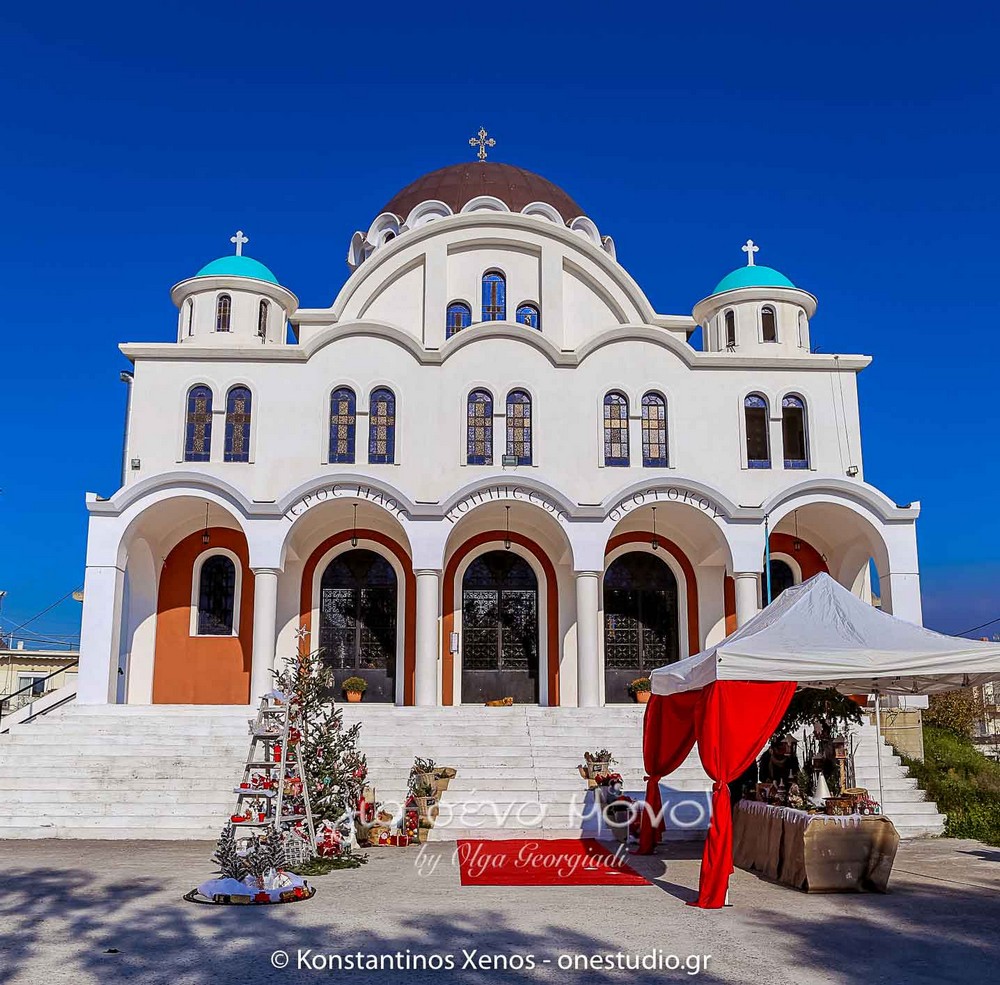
767 558
878 748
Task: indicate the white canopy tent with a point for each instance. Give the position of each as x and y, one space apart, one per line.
818 634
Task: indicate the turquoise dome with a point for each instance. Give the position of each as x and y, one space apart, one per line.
237 266
755 276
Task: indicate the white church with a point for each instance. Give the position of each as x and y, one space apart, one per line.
488 468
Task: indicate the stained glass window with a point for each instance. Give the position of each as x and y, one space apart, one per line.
494 296
216 596
343 424
519 426
459 317
758 446
223 313
793 433
730 329
479 428
238 425
198 429
616 429
527 314
768 325
382 427
262 320
654 431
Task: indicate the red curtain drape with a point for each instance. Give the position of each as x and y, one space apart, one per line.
667 738
733 721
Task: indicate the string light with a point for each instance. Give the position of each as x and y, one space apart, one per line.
354 531
506 540
654 541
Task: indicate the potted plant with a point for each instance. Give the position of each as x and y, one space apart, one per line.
422 772
640 689
423 794
596 763
354 688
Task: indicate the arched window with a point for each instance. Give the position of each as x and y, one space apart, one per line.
198 425
758 447
343 424
190 317
782 577
768 325
519 426
654 430
527 314
615 429
479 428
238 425
223 313
494 296
262 320
459 317
216 596
793 433
730 329
382 427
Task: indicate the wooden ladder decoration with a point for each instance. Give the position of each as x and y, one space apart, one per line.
270 770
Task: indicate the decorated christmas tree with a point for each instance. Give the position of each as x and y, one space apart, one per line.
335 767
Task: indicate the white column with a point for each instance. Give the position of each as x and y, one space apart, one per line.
747 595
100 635
900 593
425 690
588 664
265 613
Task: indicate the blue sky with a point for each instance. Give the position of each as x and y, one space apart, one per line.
858 150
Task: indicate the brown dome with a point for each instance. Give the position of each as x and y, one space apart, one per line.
460 183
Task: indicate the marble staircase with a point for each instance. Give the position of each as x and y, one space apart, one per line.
166 772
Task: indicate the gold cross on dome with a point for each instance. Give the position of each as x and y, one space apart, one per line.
482 141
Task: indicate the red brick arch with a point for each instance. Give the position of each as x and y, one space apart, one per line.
409 595
551 605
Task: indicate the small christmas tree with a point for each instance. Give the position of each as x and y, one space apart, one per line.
336 769
229 861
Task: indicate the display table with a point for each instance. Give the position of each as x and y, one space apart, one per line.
819 853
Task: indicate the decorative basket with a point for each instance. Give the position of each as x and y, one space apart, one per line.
840 805
429 778
424 805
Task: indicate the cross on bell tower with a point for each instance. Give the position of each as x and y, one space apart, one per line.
482 140
239 239
750 249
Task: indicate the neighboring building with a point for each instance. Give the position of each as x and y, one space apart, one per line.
20 668
488 468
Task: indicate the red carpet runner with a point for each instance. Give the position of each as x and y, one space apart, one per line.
559 862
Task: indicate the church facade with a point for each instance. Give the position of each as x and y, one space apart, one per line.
489 469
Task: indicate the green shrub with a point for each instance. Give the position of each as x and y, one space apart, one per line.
963 782
953 710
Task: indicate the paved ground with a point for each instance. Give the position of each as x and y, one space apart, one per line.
64 904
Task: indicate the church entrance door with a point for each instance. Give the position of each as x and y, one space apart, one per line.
357 621
640 621
499 630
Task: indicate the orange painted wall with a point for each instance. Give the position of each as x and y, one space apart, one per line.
201 670
551 605
409 597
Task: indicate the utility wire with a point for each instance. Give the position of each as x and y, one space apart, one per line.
48 608
980 626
